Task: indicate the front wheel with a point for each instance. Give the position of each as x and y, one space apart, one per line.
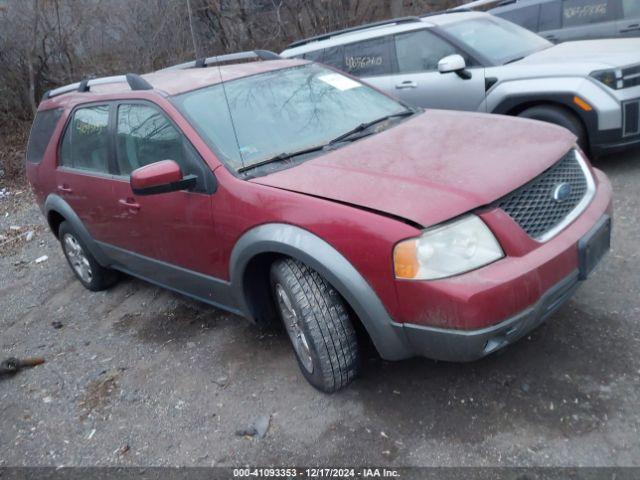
559 116
317 322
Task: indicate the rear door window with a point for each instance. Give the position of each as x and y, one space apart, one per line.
526 16
43 126
576 13
631 9
86 140
369 58
420 51
550 16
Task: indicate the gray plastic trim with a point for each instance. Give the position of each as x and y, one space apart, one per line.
56 204
310 249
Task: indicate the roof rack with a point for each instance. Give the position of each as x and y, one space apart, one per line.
230 57
324 36
136 82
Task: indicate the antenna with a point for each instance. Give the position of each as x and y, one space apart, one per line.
233 123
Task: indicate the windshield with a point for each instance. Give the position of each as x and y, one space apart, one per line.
281 112
496 39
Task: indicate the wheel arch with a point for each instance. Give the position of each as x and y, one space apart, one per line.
259 247
57 211
516 104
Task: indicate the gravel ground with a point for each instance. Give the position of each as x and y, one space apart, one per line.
140 376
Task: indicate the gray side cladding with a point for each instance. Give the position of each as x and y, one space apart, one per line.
302 245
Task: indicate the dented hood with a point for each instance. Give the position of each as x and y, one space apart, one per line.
432 167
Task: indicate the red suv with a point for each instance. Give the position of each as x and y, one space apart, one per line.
282 189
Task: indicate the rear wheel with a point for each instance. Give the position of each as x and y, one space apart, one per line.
317 322
559 116
85 267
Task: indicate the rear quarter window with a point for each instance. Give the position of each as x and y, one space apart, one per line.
43 126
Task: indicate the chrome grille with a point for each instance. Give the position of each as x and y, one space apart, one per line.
631 76
545 205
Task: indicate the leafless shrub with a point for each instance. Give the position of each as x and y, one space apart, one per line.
47 43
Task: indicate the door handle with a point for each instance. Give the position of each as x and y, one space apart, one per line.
129 203
64 188
407 84
631 28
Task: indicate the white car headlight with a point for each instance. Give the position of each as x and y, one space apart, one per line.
445 250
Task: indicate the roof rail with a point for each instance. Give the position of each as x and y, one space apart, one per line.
324 36
460 9
230 57
476 4
136 82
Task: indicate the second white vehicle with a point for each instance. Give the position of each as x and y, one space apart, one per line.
477 62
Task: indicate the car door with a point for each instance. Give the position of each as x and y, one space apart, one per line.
629 25
173 231
85 173
587 19
418 81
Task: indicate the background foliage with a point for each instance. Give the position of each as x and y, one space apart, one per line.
47 43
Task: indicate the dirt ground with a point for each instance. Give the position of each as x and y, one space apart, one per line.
141 376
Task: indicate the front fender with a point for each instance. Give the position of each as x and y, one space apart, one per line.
605 115
313 251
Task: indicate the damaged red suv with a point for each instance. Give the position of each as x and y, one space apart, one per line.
281 190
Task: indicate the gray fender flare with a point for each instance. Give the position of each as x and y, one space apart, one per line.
313 251
57 204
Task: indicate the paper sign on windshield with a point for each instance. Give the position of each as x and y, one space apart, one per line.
339 81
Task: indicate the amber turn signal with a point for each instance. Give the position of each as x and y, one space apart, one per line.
405 259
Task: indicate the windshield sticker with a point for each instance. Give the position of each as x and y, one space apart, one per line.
248 150
339 81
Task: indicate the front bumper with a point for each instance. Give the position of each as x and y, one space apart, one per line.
468 345
612 141
628 136
466 317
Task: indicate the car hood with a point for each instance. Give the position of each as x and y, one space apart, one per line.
605 53
432 167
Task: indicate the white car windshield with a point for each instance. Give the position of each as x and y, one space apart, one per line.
278 113
496 39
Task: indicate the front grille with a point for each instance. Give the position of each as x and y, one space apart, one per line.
631 76
631 118
543 206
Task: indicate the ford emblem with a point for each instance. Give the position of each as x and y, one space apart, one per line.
561 192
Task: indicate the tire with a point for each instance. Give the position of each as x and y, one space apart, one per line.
559 116
91 274
317 321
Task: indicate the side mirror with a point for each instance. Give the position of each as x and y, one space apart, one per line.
454 63
160 177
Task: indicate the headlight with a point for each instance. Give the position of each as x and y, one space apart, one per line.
446 250
611 78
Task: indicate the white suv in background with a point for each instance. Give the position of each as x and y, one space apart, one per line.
477 62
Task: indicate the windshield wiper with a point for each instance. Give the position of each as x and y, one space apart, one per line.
364 126
282 157
287 156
